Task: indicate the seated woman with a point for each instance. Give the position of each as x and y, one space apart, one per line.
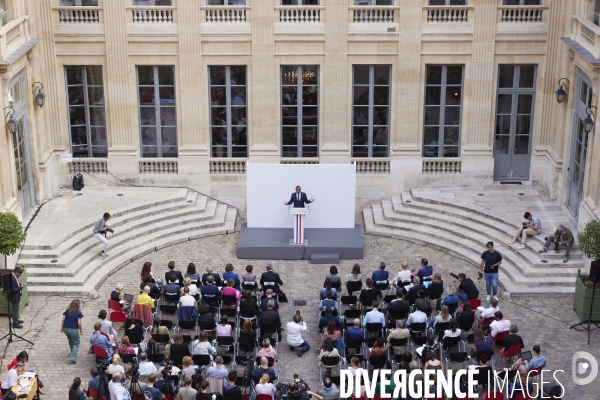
482 342
328 350
118 296
188 367
443 316
465 314
355 367
178 348
202 346
229 274
100 340
355 275
230 290
378 348
265 387
224 329
423 300
248 305
157 329
404 275
187 283
436 287
24 358
114 366
332 333
249 276
432 362
328 286
107 327
125 346
186 300
134 329
452 298
267 350
247 339
192 274
334 278
154 290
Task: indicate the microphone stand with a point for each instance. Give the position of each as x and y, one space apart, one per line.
10 334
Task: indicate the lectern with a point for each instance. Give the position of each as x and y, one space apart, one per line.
299 213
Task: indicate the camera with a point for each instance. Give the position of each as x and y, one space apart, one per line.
167 368
297 312
452 274
479 275
133 371
110 230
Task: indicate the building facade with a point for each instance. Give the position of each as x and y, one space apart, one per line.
416 93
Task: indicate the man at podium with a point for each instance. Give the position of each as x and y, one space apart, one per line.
298 198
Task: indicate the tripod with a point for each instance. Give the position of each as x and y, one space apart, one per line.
589 320
10 334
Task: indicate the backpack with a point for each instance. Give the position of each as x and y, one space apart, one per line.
78 182
152 347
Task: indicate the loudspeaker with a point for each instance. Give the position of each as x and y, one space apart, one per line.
595 272
6 282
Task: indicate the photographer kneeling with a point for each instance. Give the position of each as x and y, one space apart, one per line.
465 287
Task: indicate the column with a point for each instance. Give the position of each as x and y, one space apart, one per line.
192 98
334 132
478 113
264 85
407 127
119 88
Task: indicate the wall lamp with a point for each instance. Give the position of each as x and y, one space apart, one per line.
560 93
39 97
11 124
588 122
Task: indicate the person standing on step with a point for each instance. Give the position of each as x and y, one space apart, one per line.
532 227
100 229
490 260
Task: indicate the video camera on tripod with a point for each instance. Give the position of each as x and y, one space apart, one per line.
197 378
297 390
132 372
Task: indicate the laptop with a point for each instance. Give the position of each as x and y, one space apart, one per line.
526 355
127 297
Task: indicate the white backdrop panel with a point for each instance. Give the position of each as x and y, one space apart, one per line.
333 186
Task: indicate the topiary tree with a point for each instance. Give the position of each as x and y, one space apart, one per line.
589 240
11 234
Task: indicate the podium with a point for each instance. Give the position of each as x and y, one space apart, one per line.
299 213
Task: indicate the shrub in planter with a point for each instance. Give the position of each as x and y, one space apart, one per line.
11 234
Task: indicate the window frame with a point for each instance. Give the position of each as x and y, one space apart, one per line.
374 3
86 107
449 3
228 106
157 111
522 3
371 106
136 3
78 4
442 113
301 3
226 2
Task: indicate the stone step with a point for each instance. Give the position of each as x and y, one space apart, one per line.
125 225
466 249
115 263
458 225
177 196
78 276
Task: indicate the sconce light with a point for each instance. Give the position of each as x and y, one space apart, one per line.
560 93
39 97
588 122
11 124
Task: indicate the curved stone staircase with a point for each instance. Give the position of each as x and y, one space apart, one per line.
464 229
67 261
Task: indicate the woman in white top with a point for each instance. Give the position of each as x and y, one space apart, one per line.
107 327
355 275
264 387
187 283
224 329
404 275
201 345
453 331
354 367
186 300
114 366
443 316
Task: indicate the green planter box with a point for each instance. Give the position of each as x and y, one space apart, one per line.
583 299
5 307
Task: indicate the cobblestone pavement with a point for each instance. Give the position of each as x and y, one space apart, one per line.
541 320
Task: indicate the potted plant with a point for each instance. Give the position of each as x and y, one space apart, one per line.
12 236
589 242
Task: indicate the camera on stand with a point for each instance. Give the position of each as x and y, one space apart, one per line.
132 372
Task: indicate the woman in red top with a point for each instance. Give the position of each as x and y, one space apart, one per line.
24 358
331 333
230 290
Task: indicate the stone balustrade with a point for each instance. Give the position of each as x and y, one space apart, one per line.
300 161
158 166
521 14
586 33
220 167
441 166
78 15
14 34
300 14
88 165
153 15
447 14
373 14
219 14
372 166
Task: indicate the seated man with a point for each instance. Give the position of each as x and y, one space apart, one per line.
263 368
216 277
218 371
532 227
328 301
329 391
399 333
265 300
561 236
172 288
411 295
451 300
538 361
269 278
146 367
416 317
374 316
380 274
323 321
248 303
465 288
100 340
210 289
500 324
354 332
512 339
328 286
488 312
150 392
271 317
173 272
426 270
398 308
94 383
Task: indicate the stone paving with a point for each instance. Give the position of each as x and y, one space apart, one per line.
542 320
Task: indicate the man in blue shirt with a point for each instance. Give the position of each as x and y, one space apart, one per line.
210 289
328 301
374 316
381 274
323 321
218 371
149 389
490 260
354 332
265 301
416 317
94 383
425 271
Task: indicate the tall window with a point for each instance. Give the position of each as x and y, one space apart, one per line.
371 111
228 111
158 119
151 2
447 2
299 2
522 2
4 12
87 122
443 104
79 3
374 2
300 111
225 2
596 16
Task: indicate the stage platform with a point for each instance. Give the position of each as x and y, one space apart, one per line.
274 243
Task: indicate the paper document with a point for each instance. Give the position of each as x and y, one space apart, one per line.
29 374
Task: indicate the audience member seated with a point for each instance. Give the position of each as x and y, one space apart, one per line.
328 350
512 339
388 389
328 301
187 392
154 290
157 329
230 290
328 286
192 274
271 316
107 326
354 332
465 288
416 317
435 290
265 387
172 288
216 277
118 296
368 294
425 271
380 274
201 345
432 362
230 390
500 324
332 333
269 296
147 270
173 272
452 331
482 342
355 275
538 361
489 312
324 321
23 357
374 316
329 390
430 346
204 314
400 332
150 392
355 367
294 334
336 280
114 366
125 347
411 295
247 337
443 316
203 393
267 350
116 388
146 367
484 371
186 300
452 298
218 371
249 276
223 328
403 361
75 392
521 386
398 308
210 289
101 340
423 300
144 298
264 368
465 314
229 274
187 283
404 275
178 348
248 304
94 383
270 277
189 368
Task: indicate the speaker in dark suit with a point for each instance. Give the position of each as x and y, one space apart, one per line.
13 291
298 198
